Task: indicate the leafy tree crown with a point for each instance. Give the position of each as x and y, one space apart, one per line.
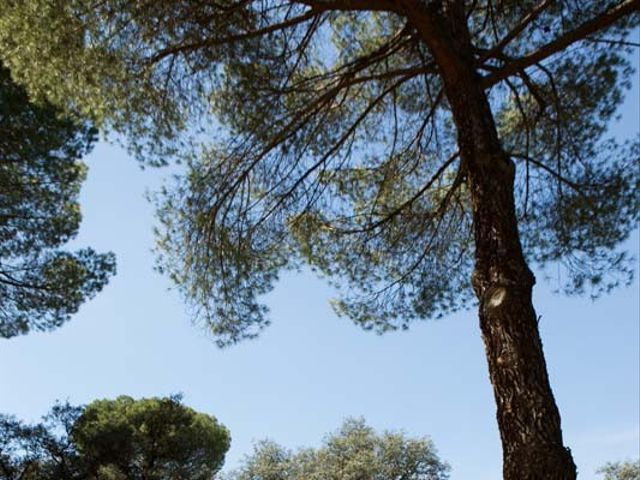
354 452
317 132
121 439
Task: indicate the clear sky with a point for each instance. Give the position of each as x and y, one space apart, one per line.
310 369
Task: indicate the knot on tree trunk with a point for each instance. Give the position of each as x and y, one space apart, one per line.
492 285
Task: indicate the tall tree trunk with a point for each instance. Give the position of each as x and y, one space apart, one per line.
528 419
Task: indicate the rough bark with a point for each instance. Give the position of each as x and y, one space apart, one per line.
528 419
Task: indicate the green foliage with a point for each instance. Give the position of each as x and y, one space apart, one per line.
150 439
355 452
40 177
337 148
42 451
621 471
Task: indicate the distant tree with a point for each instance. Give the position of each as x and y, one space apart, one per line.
155 438
418 152
41 174
42 451
121 439
355 452
621 471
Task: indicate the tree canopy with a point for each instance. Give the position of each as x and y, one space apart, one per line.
339 149
41 173
121 439
355 452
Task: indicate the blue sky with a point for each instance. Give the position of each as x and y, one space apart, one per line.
310 369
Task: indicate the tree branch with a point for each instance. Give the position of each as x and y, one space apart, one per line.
336 146
409 201
594 25
213 42
517 30
549 170
350 5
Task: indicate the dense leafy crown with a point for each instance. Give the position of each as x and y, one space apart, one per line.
121 439
355 452
40 178
153 438
333 143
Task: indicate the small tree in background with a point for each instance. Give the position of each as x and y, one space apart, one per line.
355 452
121 439
621 470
